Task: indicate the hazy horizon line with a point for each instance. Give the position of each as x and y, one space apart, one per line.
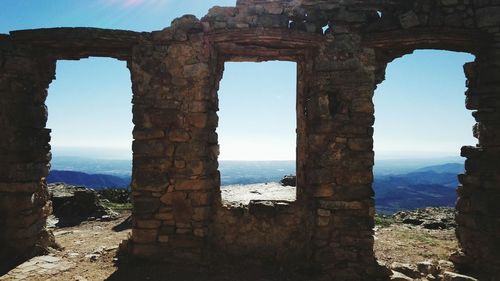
120 153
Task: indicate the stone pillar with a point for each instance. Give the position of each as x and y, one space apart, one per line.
175 145
478 216
24 152
339 112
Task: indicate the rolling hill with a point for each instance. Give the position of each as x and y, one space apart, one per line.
432 186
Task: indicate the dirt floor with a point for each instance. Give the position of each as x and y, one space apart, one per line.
91 247
90 250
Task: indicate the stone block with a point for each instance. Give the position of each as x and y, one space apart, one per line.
488 16
195 185
145 205
198 120
145 250
201 213
220 13
198 107
342 205
409 20
360 144
406 269
148 180
147 134
274 8
181 207
183 231
147 224
323 190
322 221
144 235
200 198
148 147
449 2
428 267
398 276
165 35
167 230
163 238
167 198
323 212
269 20
179 136
180 164
165 216
363 106
451 276
188 23
200 232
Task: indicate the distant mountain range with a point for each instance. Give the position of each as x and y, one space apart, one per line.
432 186
408 186
96 181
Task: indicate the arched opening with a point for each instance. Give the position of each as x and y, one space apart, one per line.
420 127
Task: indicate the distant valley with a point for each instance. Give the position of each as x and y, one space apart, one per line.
432 186
409 186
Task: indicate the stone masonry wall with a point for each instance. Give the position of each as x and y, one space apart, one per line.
478 218
175 145
340 159
269 230
341 48
24 153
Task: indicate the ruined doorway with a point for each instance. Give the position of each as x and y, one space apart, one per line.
90 118
257 131
420 127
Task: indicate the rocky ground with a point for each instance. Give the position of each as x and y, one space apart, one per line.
416 245
242 194
405 236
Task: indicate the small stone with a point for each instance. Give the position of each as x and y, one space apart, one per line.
324 213
200 232
445 265
409 19
144 235
196 70
187 23
92 257
323 190
111 248
48 265
163 238
323 221
450 276
49 259
449 2
183 231
427 267
179 136
488 16
406 269
431 277
398 276
179 164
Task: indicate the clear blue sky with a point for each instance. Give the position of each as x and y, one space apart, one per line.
419 109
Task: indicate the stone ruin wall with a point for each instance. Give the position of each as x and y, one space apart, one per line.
341 49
